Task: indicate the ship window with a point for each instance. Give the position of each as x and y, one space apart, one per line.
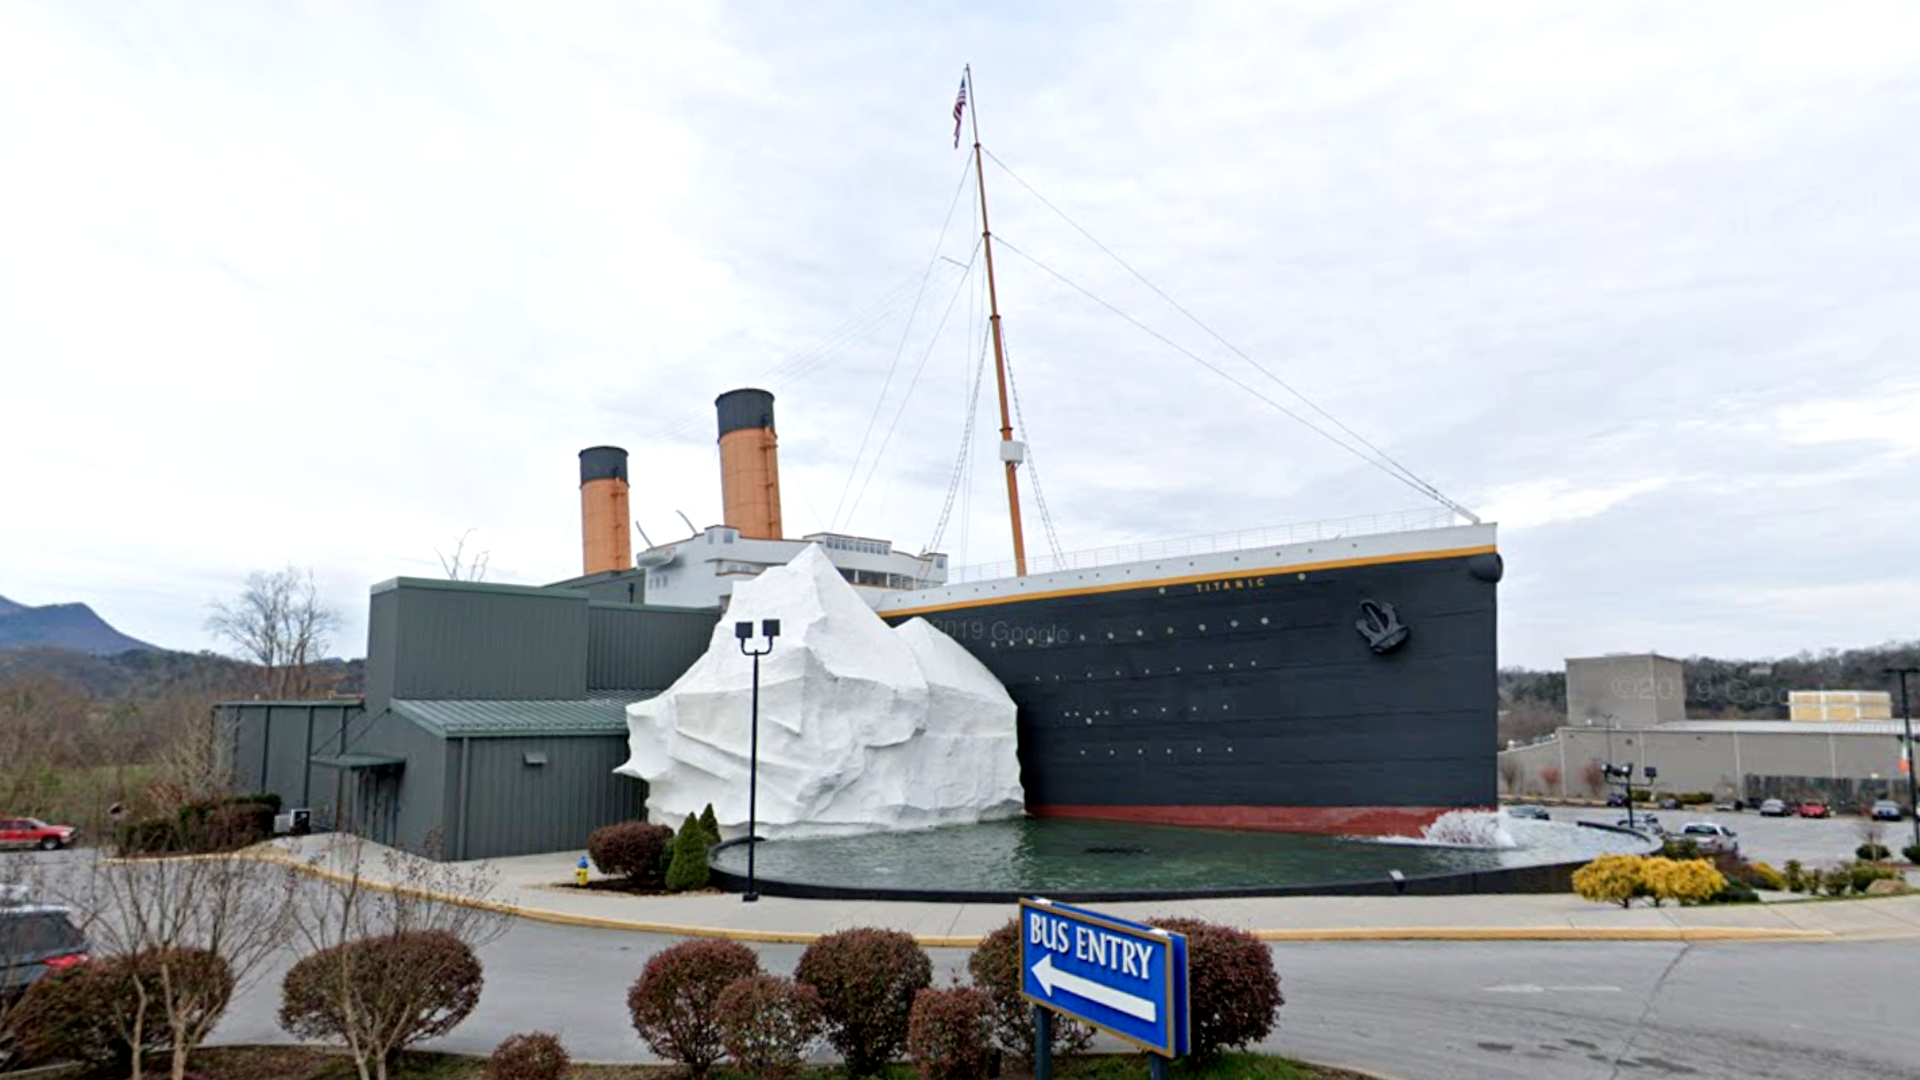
727 538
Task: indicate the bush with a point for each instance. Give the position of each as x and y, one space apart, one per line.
1612 879
84 1013
947 1034
675 1001
1871 852
1912 853
711 823
1835 882
1233 992
538 1056
689 867
1795 877
635 850
406 987
867 980
1861 875
1686 881
769 1025
1763 876
995 967
1696 798
1734 891
234 826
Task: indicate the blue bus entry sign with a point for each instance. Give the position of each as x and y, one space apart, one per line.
1122 977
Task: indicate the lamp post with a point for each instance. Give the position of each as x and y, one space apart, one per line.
743 632
1913 783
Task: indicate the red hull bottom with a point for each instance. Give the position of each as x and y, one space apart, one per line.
1327 820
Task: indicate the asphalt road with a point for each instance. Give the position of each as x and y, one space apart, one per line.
1813 841
1418 1011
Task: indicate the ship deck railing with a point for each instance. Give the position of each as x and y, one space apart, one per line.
1244 540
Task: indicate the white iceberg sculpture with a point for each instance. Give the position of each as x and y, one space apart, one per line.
863 727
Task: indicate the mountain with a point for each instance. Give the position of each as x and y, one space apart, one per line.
74 627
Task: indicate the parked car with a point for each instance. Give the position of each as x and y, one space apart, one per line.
1773 808
1887 810
1710 838
1616 799
1668 802
33 833
1813 808
1646 823
36 940
1537 813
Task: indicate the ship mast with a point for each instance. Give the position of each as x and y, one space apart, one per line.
1011 453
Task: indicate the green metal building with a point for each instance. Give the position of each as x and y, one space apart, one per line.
493 719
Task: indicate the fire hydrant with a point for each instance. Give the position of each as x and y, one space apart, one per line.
580 872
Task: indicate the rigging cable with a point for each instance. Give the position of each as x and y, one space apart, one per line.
880 454
1033 469
1406 475
966 447
900 350
1412 482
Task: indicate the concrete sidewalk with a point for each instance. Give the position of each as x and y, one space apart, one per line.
540 887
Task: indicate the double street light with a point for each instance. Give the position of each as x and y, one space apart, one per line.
743 632
1623 774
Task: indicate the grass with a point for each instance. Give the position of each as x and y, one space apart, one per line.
311 1063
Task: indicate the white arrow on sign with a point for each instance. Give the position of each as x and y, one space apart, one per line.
1118 1000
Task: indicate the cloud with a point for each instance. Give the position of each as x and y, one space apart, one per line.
333 285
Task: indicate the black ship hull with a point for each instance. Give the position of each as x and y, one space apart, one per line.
1355 695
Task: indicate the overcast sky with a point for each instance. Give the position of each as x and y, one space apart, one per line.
330 284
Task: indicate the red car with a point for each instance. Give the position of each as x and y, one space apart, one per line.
34 833
1813 808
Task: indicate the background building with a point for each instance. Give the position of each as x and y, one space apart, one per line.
1842 746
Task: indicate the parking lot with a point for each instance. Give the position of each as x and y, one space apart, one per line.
1813 841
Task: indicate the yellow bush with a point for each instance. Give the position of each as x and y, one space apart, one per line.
1612 879
1688 881
1770 878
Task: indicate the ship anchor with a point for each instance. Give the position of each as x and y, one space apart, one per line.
1381 626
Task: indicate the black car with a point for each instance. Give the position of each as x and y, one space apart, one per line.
1616 799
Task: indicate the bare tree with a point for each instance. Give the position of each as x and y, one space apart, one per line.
280 623
43 728
463 567
370 905
1509 772
191 932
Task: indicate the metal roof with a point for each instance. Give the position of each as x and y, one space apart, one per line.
601 714
1752 727
360 761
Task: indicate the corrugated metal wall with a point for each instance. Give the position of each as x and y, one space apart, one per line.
514 808
635 648
409 810
272 743
383 646
493 642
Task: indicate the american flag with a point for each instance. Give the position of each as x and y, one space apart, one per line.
959 106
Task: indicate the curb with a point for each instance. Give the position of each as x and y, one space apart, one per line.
969 941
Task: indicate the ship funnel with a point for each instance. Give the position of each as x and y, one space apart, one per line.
749 463
606 530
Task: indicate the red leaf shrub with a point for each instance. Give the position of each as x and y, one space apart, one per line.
675 1002
636 850
947 1034
399 989
1233 993
89 1013
769 1025
995 967
867 979
537 1056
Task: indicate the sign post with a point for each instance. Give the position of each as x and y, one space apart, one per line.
1125 978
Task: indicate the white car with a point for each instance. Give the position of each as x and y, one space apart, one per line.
1710 837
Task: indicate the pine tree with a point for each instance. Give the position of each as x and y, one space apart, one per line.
689 867
711 823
